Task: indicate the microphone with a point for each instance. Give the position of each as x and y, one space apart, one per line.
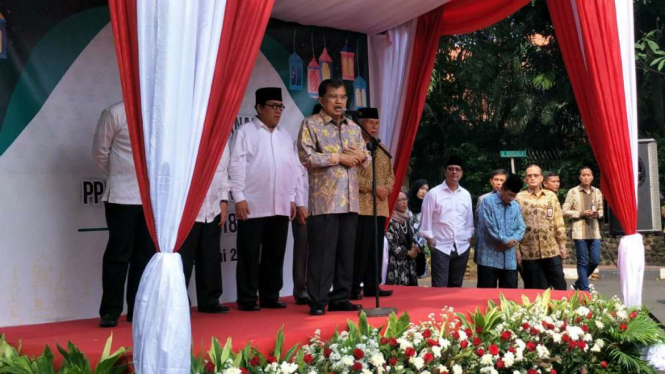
350 113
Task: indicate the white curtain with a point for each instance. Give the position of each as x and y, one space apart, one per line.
389 61
631 248
178 43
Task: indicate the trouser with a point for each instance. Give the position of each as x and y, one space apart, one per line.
588 258
489 277
261 248
331 240
202 247
300 251
364 262
129 247
544 273
448 270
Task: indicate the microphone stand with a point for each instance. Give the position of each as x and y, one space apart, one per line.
372 146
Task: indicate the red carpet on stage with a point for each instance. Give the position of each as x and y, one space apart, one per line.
260 327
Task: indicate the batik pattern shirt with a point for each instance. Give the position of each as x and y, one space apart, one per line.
545 230
577 201
333 188
498 222
384 177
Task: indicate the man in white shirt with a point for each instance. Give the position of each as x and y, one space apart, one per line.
129 245
262 169
447 223
202 245
300 245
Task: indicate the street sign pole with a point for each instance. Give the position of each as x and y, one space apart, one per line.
512 165
512 155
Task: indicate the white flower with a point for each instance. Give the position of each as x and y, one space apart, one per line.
556 338
509 359
347 360
574 332
436 351
418 362
425 372
462 335
444 343
582 311
288 367
366 371
232 371
486 359
404 344
442 369
595 348
543 352
377 359
600 325
457 369
312 371
516 372
600 343
622 314
588 337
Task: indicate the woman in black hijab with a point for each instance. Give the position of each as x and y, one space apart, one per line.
416 195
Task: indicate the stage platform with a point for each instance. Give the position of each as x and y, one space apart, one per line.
260 327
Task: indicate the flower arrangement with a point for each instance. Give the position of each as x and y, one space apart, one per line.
583 334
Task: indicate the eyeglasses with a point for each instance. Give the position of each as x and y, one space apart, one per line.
276 106
454 169
529 176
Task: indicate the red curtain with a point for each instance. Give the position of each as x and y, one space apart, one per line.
425 47
596 75
245 24
123 22
465 16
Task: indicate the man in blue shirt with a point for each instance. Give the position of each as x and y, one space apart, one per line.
500 228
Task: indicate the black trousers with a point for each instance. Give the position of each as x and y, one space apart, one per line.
364 261
448 270
331 246
300 251
489 277
544 273
202 247
129 248
261 248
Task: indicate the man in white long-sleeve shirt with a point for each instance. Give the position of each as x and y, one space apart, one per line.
447 223
300 245
129 245
262 173
202 245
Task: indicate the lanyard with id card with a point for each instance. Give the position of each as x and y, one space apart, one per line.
550 211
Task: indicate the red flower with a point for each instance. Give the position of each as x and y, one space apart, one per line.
357 366
572 346
464 343
432 343
532 371
633 315
505 336
308 359
384 341
428 357
565 338
254 361
603 364
358 353
500 364
327 352
563 327
427 334
271 359
578 319
585 328
545 324
589 316
410 352
479 329
550 326
531 346
511 349
494 350
455 335
534 331
480 352
244 371
468 332
623 327
525 326
210 367
581 344
477 341
393 342
552 371
392 361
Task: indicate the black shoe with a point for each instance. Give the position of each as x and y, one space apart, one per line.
344 306
273 304
356 295
382 293
130 317
108 321
317 310
302 300
249 307
214 309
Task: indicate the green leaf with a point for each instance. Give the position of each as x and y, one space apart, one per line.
226 352
215 353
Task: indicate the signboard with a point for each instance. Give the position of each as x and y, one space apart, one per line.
513 154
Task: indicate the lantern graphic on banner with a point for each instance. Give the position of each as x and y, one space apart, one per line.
348 68
359 87
3 37
295 68
313 75
325 62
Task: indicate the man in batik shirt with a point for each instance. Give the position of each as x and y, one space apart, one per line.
332 148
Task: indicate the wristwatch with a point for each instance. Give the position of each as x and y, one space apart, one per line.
224 201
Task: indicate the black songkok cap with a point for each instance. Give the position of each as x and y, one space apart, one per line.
454 160
368 113
268 93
